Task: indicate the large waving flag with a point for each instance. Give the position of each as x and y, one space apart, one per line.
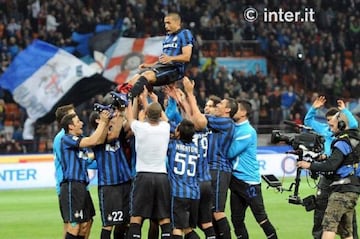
42 76
126 54
101 41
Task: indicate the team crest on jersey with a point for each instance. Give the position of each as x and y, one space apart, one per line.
112 148
170 45
75 138
83 155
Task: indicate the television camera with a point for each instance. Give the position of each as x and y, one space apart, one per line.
307 141
307 145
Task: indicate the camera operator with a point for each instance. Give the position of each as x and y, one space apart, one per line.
323 129
344 188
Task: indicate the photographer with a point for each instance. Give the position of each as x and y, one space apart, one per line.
344 188
323 129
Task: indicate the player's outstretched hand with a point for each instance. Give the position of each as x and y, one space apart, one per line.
105 116
341 104
319 102
188 85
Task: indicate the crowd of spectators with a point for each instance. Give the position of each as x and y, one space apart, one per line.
304 58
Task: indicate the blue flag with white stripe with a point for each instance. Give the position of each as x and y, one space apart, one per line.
41 75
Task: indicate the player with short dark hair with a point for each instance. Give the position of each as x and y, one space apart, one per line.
177 51
204 178
182 170
222 127
201 139
245 182
114 178
73 190
60 112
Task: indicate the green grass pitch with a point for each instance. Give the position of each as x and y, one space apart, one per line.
34 214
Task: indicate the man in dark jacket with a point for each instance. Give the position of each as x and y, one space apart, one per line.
345 184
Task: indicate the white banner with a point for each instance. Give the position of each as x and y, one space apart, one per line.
278 164
42 174
27 175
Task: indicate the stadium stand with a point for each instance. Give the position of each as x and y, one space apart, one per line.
331 42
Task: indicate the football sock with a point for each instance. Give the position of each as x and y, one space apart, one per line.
105 234
134 231
192 235
224 228
70 236
210 233
177 237
165 231
138 87
120 231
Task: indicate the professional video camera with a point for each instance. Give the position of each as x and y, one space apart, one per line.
307 145
307 140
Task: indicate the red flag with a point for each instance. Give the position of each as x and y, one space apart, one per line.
126 54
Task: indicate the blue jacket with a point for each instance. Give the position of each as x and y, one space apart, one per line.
323 128
242 152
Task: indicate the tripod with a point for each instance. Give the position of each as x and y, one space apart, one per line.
295 199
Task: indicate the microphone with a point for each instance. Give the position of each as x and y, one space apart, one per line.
293 124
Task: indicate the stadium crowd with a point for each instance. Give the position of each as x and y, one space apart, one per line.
304 59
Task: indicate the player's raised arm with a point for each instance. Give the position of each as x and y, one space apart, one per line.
197 117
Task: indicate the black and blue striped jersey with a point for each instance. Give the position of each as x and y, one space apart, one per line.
113 167
173 44
219 142
201 141
182 169
73 159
